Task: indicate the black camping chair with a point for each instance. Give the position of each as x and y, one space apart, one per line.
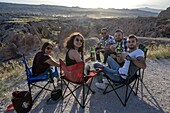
145 50
131 84
141 71
74 79
33 81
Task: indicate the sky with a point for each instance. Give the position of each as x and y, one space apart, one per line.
118 4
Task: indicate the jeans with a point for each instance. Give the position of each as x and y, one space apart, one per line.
106 54
98 54
111 70
86 69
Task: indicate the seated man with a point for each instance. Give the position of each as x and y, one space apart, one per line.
115 71
104 45
119 46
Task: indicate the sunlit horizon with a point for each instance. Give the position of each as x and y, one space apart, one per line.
117 4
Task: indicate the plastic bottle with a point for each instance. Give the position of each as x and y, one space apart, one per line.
92 54
50 76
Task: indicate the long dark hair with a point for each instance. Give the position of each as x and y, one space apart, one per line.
69 41
45 45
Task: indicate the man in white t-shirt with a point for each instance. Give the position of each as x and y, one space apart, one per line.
117 73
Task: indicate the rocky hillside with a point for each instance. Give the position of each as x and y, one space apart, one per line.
24 34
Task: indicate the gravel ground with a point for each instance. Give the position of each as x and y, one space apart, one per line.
155 97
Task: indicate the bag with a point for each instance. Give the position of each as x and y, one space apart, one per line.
22 101
56 94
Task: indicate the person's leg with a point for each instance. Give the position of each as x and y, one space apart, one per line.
99 74
87 69
114 77
112 63
97 54
106 54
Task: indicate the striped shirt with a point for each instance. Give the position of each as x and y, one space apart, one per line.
110 40
123 44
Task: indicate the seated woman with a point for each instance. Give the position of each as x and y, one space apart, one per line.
43 60
75 45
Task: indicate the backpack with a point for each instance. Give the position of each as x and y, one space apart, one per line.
22 101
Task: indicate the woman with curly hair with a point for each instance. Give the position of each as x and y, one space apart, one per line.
75 45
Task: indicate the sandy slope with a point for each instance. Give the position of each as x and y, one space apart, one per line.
155 99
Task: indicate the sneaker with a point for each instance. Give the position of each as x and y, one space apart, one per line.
105 81
100 85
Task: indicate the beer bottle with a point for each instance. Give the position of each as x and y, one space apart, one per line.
119 48
92 54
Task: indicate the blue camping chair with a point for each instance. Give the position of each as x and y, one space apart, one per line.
33 80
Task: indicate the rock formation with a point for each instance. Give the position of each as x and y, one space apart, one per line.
27 37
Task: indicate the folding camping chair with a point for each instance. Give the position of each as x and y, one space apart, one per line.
33 81
131 83
73 77
131 79
141 71
145 50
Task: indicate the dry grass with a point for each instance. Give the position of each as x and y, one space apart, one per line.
11 73
161 51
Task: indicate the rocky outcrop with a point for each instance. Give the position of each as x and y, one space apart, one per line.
164 14
8 52
27 37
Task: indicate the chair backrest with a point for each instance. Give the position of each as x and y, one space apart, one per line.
27 69
132 69
144 49
74 72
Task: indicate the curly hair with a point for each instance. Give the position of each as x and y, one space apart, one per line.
69 41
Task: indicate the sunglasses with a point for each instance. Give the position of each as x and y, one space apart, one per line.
79 40
49 48
103 33
131 41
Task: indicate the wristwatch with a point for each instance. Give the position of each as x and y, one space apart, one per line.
128 57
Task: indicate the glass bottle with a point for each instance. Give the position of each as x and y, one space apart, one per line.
119 48
92 54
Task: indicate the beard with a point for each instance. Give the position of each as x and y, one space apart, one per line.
132 48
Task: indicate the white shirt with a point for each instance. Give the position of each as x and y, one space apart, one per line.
134 54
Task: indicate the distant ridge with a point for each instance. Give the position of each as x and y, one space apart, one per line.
55 10
150 9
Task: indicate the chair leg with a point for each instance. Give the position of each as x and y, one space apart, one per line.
137 85
42 88
84 93
83 106
53 85
127 93
88 86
